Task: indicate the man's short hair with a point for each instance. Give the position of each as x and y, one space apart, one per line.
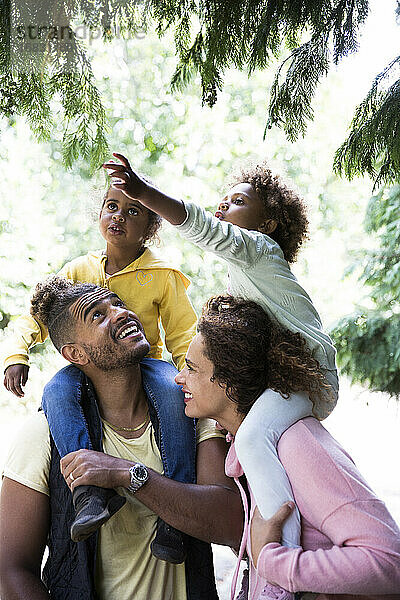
50 304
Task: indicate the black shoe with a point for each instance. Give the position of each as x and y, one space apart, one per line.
93 507
168 544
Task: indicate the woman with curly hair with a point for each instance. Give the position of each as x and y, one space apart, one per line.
258 229
350 545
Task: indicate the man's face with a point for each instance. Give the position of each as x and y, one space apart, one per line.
110 334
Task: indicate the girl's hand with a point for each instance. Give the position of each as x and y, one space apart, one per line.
125 179
264 532
15 377
88 467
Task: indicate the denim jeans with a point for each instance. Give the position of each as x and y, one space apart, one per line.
62 404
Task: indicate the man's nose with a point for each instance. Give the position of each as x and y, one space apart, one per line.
119 313
223 205
118 217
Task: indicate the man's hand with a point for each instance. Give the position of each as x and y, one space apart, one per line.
264 532
125 179
15 377
87 467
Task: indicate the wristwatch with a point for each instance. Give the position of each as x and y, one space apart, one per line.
139 475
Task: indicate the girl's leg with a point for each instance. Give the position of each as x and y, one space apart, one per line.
178 433
62 406
256 448
61 403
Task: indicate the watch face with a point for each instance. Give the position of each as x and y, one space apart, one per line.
140 472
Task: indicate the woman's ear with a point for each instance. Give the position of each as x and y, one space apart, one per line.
74 354
268 226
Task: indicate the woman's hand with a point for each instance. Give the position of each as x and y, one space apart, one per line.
87 467
263 532
125 179
15 377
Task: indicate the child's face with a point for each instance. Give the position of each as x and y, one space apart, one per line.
241 206
123 221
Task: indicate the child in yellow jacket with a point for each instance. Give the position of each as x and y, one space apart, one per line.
150 287
145 282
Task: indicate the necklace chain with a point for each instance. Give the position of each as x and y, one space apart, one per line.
129 429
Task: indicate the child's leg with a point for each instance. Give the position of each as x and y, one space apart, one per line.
327 400
61 403
256 442
178 433
63 410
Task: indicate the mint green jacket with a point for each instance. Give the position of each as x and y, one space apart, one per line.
259 272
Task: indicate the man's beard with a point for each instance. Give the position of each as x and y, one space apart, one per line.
107 357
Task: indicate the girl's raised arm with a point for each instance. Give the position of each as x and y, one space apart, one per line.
133 186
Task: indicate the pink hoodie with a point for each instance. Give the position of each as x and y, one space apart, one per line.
350 543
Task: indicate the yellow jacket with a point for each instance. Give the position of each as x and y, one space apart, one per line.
155 291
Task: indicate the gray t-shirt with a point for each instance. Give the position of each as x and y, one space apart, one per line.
258 271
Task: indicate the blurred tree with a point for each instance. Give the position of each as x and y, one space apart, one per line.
368 340
42 55
187 149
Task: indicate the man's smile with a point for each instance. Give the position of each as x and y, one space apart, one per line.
130 329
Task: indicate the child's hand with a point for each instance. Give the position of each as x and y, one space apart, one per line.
264 532
15 377
125 179
135 187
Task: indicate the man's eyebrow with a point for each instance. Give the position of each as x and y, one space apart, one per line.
97 302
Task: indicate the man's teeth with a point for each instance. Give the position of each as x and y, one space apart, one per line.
188 395
128 331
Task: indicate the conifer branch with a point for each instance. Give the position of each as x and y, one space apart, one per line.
290 104
373 144
367 341
210 36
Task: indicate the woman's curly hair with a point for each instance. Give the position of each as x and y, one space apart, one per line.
251 353
281 204
154 224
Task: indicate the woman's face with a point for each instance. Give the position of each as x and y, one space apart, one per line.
203 397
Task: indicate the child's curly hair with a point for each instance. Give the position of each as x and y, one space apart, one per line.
280 203
250 353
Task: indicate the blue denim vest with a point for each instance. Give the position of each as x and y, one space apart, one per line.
70 567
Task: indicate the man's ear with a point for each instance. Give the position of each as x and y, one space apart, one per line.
75 354
268 226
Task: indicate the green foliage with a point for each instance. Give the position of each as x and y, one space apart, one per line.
187 150
53 82
372 145
368 341
381 270
248 34
290 104
368 349
210 36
